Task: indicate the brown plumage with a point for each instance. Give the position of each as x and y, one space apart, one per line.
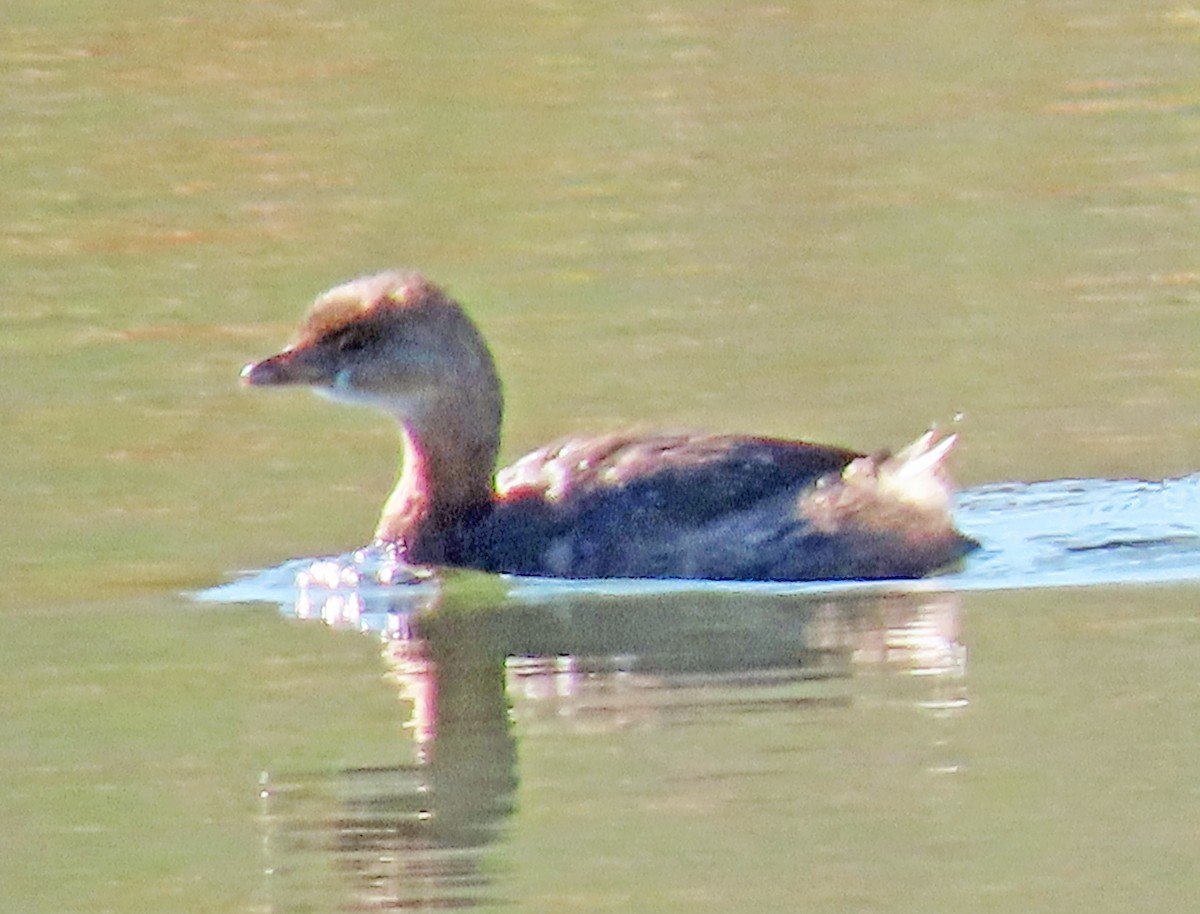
662 506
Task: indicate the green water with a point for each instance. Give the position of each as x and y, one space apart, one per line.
836 221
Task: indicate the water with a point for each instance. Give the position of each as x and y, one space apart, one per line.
832 223
691 745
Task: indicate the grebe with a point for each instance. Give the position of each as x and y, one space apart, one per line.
724 507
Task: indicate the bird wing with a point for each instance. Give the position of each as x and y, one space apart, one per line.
681 477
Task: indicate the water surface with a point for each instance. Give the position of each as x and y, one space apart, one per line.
836 223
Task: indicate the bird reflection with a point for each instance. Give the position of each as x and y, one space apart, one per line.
476 676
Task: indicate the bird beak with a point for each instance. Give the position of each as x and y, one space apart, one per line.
268 371
292 366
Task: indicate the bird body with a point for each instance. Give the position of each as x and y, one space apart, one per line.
727 507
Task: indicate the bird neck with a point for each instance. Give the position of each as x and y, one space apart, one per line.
445 479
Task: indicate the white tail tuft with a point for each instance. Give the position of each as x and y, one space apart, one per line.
917 473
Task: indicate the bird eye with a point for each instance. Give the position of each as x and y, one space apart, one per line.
352 342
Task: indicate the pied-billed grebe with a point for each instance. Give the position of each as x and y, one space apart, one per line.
665 506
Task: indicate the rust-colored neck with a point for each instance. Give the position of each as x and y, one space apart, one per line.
445 478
